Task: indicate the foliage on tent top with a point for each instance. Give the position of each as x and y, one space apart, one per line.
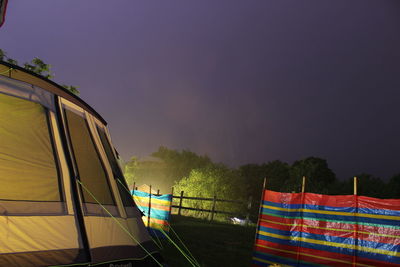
39 67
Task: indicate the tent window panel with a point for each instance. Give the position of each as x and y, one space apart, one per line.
126 197
91 171
28 168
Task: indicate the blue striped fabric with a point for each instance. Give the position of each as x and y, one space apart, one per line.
313 230
159 210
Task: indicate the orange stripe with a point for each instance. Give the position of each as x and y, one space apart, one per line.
154 206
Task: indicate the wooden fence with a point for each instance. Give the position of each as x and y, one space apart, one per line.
213 210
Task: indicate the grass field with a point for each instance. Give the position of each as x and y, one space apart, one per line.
212 244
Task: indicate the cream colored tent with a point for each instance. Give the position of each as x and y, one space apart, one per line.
63 198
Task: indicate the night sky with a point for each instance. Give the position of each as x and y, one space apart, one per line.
241 81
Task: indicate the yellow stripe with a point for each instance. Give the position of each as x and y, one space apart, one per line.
153 200
270 262
309 255
333 229
335 213
332 244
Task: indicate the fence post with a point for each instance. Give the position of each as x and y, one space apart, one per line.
170 207
148 218
180 203
249 202
213 208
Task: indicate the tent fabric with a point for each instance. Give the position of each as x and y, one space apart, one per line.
159 208
39 241
91 171
19 74
27 159
114 243
49 142
305 229
127 199
26 91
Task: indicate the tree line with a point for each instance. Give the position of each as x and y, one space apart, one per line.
199 176
37 66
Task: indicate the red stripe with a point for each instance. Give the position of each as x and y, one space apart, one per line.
277 253
310 198
153 206
321 253
158 221
349 233
284 198
381 230
305 229
280 219
375 262
336 225
333 201
376 203
329 255
343 201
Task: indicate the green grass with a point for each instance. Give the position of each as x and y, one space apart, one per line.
212 244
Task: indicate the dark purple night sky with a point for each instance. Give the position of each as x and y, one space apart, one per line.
242 81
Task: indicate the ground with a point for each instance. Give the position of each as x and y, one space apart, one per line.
212 244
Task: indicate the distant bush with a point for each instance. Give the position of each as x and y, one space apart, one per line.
214 180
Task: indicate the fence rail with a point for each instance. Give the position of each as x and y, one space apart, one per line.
210 199
213 210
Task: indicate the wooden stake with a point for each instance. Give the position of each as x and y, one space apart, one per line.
355 234
180 203
355 185
148 218
303 185
213 208
303 189
170 206
260 208
172 201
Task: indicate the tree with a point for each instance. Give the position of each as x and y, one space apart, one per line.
276 172
319 176
179 164
130 171
39 67
394 186
213 180
368 185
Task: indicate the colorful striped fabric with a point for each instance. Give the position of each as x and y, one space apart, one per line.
159 210
308 229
